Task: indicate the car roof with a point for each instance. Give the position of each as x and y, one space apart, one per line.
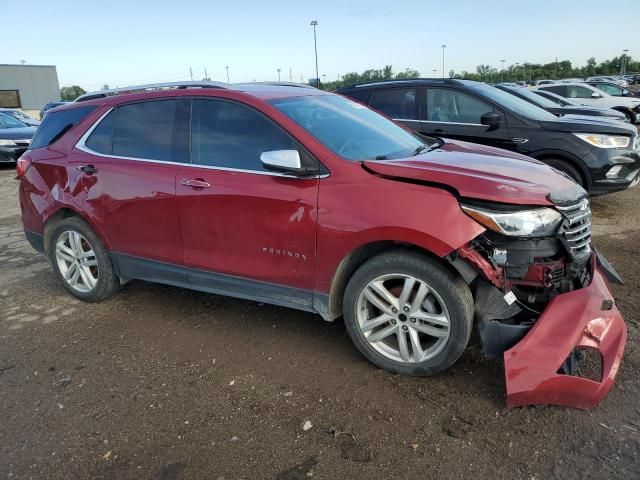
408 82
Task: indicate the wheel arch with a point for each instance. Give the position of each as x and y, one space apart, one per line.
60 214
355 258
566 157
626 110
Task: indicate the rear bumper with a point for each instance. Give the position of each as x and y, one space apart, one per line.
581 318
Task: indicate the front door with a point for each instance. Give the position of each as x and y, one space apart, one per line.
247 231
449 113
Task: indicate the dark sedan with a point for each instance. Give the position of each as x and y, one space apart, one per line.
15 138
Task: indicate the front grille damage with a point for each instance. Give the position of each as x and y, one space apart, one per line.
513 279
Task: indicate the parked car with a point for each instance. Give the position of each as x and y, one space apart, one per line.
15 137
560 111
593 111
589 95
611 79
346 212
49 106
20 116
603 158
570 80
613 89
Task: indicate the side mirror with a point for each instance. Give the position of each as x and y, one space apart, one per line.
285 161
492 120
596 95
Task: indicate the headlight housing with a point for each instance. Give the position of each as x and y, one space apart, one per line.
605 141
539 222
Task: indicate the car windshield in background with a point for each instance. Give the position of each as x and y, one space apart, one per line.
513 103
7 121
348 128
536 99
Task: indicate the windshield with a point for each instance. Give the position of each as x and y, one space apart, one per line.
536 99
9 122
513 103
348 128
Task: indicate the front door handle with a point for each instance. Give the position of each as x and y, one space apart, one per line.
195 183
88 169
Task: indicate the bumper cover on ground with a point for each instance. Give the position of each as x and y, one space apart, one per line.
581 318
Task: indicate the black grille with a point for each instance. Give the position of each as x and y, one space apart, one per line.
576 229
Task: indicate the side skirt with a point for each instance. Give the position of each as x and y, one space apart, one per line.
130 267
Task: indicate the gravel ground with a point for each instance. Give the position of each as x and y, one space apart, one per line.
165 383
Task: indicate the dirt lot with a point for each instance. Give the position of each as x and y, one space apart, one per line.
165 383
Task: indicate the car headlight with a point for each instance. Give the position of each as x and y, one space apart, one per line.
539 222
605 141
7 143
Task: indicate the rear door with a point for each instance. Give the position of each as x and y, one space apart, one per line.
128 166
450 113
584 95
247 231
398 103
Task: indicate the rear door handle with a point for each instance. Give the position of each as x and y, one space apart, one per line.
88 169
195 183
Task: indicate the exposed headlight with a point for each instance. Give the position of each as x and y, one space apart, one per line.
8 143
540 222
605 141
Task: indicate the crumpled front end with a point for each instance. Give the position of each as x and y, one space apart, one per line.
544 305
537 369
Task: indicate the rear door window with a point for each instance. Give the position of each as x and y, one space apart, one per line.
144 130
399 103
445 105
557 89
56 124
576 91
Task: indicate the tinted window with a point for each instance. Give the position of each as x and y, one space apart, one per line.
56 124
225 134
349 129
512 103
101 138
610 89
444 105
396 103
144 130
557 89
362 96
574 91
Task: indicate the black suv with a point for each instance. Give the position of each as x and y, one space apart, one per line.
603 157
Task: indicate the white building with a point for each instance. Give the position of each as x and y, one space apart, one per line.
28 87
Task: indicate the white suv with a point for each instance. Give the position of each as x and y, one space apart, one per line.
589 95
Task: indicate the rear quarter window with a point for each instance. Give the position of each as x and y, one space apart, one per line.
56 124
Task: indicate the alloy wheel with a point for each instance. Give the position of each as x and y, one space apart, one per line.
403 318
76 261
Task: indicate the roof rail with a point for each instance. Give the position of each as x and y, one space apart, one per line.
280 84
407 80
151 87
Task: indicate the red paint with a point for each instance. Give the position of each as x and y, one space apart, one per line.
571 320
494 275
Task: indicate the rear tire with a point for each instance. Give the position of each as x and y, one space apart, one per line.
567 168
81 261
399 327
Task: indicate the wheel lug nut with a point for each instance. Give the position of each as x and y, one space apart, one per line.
406 309
413 320
393 322
394 309
405 328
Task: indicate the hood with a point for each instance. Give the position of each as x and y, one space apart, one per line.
589 111
588 125
597 118
484 173
17 133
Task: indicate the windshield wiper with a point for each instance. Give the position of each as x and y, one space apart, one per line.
421 149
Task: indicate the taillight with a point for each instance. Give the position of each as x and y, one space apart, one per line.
23 165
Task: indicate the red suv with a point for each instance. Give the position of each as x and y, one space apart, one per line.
293 196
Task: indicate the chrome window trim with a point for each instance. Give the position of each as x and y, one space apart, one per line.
81 145
407 120
455 123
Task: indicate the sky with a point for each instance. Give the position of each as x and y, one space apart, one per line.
130 42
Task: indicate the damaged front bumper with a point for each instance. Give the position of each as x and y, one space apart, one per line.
584 318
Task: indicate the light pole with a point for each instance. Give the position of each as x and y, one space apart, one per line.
314 24
434 72
278 74
443 47
227 67
290 75
624 61
324 78
516 69
502 76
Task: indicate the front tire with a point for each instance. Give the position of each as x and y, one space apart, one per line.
408 314
81 261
